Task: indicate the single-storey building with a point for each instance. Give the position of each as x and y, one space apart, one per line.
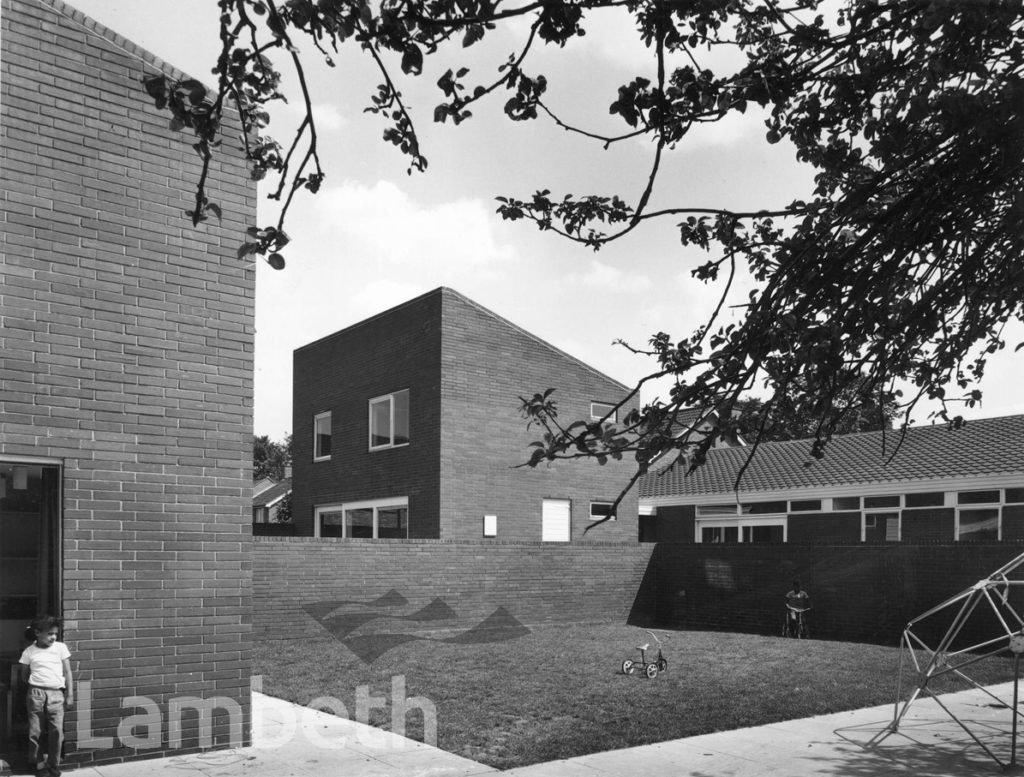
934 483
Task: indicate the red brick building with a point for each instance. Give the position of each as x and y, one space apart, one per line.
126 342
407 425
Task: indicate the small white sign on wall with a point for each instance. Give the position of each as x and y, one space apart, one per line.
490 526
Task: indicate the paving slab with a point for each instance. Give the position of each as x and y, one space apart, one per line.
293 741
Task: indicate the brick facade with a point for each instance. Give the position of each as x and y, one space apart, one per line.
297 579
126 357
859 592
340 374
465 369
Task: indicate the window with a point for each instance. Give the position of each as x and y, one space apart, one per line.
598 411
930 499
389 421
763 508
881 501
846 503
978 524
977 497
260 515
724 509
719 534
805 505
1014 495
599 510
322 436
880 527
378 519
764 533
744 530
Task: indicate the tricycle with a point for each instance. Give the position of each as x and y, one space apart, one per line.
648 667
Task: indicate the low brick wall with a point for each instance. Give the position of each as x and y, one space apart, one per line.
367 591
306 587
860 593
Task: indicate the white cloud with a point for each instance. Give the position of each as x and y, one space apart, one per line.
386 225
599 275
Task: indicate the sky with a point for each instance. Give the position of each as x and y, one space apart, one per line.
376 236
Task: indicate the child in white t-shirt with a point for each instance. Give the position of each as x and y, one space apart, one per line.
46 666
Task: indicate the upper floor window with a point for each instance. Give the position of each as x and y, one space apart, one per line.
601 510
389 420
598 411
322 436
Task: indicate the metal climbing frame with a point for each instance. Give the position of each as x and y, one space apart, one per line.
928 663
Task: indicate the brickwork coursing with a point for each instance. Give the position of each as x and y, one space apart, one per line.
536 583
860 593
465 369
126 352
341 373
487 365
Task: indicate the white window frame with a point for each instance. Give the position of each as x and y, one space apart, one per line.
740 524
593 517
316 421
596 414
375 504
390 399
997 506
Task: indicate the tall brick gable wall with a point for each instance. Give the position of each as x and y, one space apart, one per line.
126 352
487 364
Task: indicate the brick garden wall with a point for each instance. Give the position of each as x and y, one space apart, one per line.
306 587
860 592
126 353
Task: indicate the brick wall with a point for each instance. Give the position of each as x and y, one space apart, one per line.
341 373
300 581
465 369
488 364
126 354
860 593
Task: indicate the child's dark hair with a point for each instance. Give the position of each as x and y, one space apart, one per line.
42 623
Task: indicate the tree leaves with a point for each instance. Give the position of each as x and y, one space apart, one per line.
903 264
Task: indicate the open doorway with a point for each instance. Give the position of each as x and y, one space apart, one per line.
30 524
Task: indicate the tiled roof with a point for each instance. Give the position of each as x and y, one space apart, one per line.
270 495
985 446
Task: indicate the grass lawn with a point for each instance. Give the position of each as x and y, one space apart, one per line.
559 691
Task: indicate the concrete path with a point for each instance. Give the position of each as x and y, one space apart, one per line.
297 742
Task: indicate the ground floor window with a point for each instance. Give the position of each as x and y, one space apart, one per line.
881 527
981 524
372 519
745 530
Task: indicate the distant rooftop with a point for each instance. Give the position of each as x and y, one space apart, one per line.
985 446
